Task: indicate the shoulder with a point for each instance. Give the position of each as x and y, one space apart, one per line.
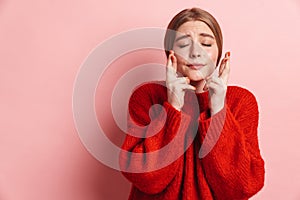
240 98
153 85
148 94
240 93
151 91
143 97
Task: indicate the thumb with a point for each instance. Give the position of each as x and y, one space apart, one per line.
173 60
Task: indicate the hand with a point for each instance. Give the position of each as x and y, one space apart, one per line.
217 86
176 85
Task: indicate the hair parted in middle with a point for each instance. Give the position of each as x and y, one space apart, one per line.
193 14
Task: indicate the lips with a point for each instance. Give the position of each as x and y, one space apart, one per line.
196 66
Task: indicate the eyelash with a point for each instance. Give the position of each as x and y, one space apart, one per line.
182 46
206 45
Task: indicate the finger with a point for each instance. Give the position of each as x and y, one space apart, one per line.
171 68
216 81
213 86
224 75
182 83
169 62
173 60
225 71
227 54
206 85
189 87
180 80
223 62
208 79
222 66
216 84
186 87
171 72
183 87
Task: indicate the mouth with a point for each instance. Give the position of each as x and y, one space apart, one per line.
195 66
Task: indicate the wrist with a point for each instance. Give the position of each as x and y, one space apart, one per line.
214 110
176 107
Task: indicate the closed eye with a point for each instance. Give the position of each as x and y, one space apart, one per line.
183 45
206 45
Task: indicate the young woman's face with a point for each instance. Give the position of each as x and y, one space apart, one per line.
196 50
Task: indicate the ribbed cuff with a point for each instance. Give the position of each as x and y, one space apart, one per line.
212 130
176 120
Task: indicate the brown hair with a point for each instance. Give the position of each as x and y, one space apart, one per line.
193 14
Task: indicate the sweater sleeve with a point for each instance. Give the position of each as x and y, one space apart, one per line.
234 167
142 149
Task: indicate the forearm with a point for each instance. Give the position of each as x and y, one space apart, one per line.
234 167
148 160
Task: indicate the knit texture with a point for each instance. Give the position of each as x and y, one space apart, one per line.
233 169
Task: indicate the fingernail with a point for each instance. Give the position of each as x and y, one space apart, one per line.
228 53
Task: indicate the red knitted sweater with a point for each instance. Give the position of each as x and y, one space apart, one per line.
233 169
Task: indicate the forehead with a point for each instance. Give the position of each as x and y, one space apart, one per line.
194 27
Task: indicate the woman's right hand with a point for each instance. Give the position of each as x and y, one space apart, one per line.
176 85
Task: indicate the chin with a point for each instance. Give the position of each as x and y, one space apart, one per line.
195 77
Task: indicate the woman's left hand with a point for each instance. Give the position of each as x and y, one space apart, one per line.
217 86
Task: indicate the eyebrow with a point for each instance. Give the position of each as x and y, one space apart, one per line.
201 34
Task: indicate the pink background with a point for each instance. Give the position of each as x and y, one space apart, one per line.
43 44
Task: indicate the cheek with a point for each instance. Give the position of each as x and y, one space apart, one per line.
213 54
181 57
181 53
180 62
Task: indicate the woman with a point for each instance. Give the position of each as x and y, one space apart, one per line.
222 123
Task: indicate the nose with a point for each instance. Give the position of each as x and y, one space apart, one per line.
195 50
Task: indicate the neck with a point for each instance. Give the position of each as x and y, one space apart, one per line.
199 85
